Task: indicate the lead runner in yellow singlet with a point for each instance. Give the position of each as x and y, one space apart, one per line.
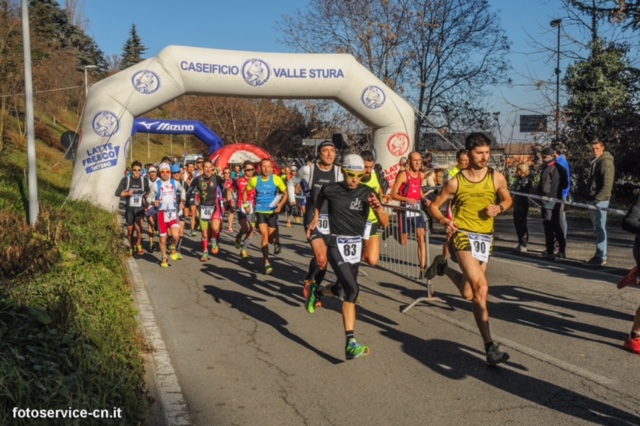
480 194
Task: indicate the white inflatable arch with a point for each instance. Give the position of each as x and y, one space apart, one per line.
113 103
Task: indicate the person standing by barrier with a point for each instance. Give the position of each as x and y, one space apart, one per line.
408 190
552 183
208 192
558 152
314 176
631 223
521 206
599 187
349 204
476 190
133 190
271 196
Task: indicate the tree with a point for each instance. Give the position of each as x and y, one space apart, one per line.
132 50
441 54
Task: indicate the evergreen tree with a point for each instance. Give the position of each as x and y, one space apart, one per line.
132 50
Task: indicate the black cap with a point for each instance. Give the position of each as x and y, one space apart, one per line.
547 151
325 143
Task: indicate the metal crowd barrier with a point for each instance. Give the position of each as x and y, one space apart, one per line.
402 259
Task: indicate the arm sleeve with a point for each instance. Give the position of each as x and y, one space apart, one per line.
121 186
153 192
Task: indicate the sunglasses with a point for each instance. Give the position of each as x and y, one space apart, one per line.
351 174
136 170
165 172
199 162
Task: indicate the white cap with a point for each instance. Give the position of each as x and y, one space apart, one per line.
164 166
294 169
152 169
353 163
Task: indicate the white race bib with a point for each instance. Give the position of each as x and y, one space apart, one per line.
367 231
248 209
480 246
350 248
170 215
206 212
135 200
323 224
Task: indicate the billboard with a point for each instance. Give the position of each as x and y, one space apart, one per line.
533 123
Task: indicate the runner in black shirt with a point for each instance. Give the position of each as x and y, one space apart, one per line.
348 205
133 190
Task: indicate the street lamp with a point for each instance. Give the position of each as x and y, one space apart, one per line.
557 23
86 83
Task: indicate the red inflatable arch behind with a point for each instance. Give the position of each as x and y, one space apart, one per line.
238 153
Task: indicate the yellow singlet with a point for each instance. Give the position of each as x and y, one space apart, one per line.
470 202
375 184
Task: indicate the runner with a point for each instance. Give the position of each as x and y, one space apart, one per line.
168 200
177 174
314 176
246 216
190 208
349 204
208 193
371 234
229 196
151 212
271 196
133 189
476 190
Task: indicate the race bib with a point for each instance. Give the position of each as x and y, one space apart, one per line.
170 215
367 231
206 212
135 200
323 224
350 248
414 212
480 246
247 208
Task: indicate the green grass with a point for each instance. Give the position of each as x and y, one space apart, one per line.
68 333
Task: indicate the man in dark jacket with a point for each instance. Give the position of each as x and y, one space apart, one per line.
599 188
550 186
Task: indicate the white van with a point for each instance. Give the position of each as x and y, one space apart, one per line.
190 157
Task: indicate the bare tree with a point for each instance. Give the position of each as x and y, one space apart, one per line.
441 54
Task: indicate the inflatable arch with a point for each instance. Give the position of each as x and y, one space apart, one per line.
113 103
179 127
238 153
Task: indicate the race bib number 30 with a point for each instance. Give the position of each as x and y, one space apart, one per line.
323 224
480 246
350 248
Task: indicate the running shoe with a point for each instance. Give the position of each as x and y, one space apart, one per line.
164 263
131 253
297 220
630 279
140 250
178 256
437 267
238 243
355 350
633 344
277 249
305 289
214 247
596 261
193 233
288 224
496 356
268 269
230 231
311 298
244 254
204 257
174 253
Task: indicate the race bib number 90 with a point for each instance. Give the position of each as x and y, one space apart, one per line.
350 248
480 246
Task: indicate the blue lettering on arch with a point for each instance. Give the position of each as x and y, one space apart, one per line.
206 68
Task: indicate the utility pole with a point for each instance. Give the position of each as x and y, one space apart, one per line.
557 23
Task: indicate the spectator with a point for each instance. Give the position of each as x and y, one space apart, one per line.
558 152
521 206
599 187
551 185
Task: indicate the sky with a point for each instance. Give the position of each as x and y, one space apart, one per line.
249 25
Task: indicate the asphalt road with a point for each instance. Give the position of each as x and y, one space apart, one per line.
236 347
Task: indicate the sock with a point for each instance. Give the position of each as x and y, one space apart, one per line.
635 334
179 245
205 245
319 276
349 336
487 346
313 266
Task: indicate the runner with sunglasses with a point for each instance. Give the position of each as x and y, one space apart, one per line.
348 205
246 215
208 192
133 190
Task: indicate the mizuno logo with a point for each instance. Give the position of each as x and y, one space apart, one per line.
148 125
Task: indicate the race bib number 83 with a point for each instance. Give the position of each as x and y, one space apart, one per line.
350 248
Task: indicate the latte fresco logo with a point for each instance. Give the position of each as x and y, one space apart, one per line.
105 124
398 144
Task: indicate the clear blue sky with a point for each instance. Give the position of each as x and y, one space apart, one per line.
250 25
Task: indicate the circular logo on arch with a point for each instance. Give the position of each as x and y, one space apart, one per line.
373 97
105 124
146 82
398 144
255 72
